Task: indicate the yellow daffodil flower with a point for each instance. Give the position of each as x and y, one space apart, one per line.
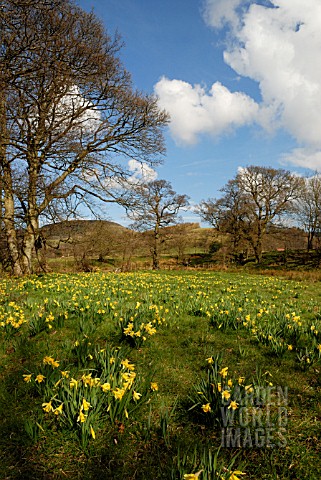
47 407
86 405
192 476
136 395
73 383
226 394
105 387
126 364
48 360
233 405
206 408
40 378
223 372
81 417
234 475
58 410
27 378
119 393
92 432
154 386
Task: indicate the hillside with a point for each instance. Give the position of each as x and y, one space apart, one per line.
77 228
87 244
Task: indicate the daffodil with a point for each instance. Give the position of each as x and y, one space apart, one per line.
73 383
119 393
27 378
233 405
192 476
40 378
226 394
105 387
81 417
58 410
92 432
234 475
86 405
126 364
223 372
136 395
154 386
206 408
249 388
47 407
48 360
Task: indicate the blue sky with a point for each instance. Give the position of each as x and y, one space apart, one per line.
241 80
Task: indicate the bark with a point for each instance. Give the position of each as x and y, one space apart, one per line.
310 240
155 248
9 222
6 185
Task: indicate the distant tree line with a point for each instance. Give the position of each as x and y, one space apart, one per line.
259 198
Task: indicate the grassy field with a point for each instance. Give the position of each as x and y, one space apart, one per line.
207 375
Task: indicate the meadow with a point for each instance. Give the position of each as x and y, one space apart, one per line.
162 375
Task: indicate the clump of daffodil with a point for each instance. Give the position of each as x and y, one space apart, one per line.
80 402
220 392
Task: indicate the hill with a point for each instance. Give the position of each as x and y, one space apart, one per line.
72 228
86 244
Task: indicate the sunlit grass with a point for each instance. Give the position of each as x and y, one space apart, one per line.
264 329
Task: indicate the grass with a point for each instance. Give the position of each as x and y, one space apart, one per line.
265 329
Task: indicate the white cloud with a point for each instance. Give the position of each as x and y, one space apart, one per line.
304 157
279 47
194 110
141 172
76 108
218 12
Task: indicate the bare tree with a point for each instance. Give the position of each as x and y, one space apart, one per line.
155 205
308 207
226 215
253 199
69 117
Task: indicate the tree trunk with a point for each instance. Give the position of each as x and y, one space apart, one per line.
258 251
155 249
310 240
28 245
155 255
9 225
257 244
